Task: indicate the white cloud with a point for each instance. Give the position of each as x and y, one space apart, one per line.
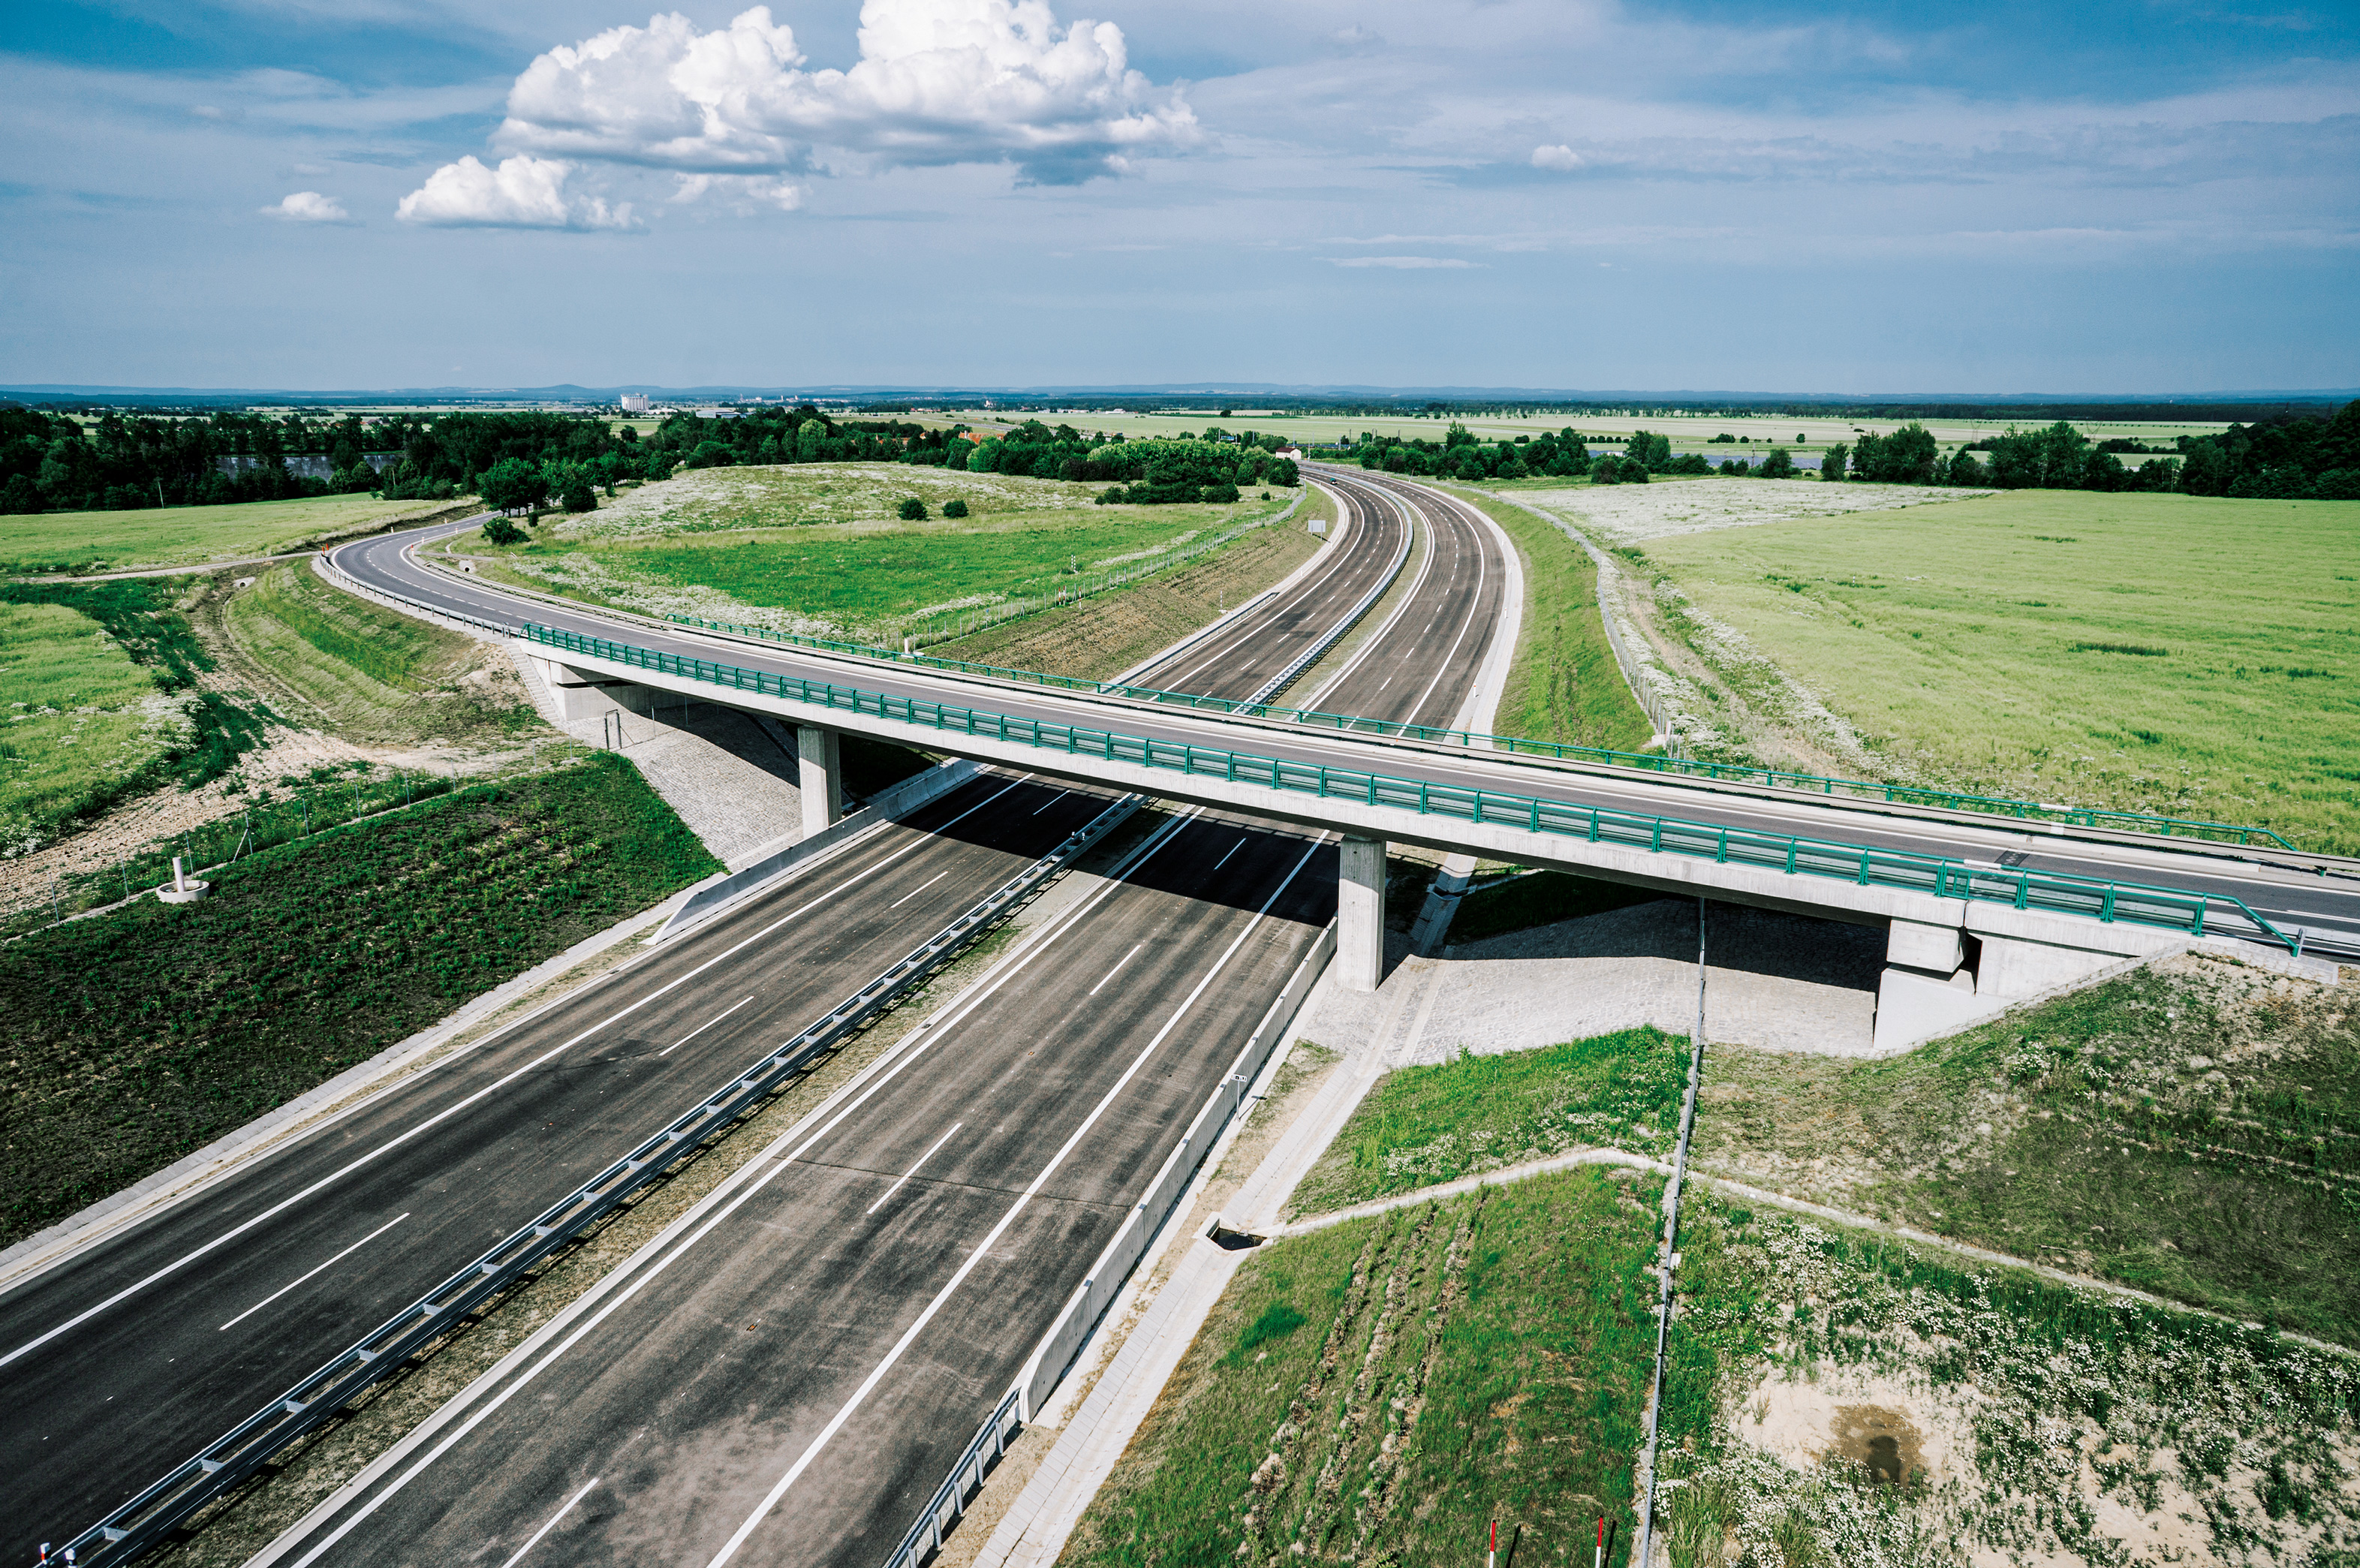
744 192
1558 157
524 193
938 81
1403 263
309 207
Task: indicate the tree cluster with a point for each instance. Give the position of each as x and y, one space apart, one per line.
802 435
2292 458
1459 455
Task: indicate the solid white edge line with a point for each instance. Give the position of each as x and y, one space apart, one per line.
330 1264
912 1170
663 1250
983 1248
390 1145
708 1023
1126 958
544 1529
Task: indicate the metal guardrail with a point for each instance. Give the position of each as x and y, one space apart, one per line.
1259 707
2133 903
949 1501
222 1465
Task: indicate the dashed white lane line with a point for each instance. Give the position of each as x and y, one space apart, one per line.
1125 959
330 1264
912 1170
544 1529
918 890
700 1029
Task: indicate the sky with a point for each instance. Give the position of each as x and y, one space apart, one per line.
2122 197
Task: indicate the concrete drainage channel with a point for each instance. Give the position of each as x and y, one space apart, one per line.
1061 1347
144 1522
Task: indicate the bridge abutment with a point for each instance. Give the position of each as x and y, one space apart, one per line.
1361 914
819 758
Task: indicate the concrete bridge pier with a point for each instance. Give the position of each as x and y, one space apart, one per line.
1361 914
818 757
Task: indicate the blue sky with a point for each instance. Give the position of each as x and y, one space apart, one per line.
2102 197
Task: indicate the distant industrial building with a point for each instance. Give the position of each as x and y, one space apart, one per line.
635 402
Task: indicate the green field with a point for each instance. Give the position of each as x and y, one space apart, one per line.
818 547
139 1035
189 536
2172 654
1565 684
98 700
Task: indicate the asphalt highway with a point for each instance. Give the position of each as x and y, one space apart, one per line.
129 1356
2325 906
133 1351
790 1378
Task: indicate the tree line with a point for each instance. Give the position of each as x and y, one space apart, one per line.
2293 458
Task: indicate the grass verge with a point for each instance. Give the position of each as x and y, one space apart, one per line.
1377 1391
1421 1126
2191 1128
140 1035
1564 684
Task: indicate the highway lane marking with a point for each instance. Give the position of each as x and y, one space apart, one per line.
912 1170
544 1529
708 1023
1233 849
866 1083
1483 566
1052 801
390 1145
1132 954
922 886
983 1248
330 1264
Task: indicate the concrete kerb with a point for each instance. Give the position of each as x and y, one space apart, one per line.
724 889
341 1096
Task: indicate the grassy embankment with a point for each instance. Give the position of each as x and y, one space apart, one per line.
364 671
190 536
2162 653
819 548
98 682
142 1034
2191 1131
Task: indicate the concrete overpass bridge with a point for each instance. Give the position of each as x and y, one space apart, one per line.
1980 911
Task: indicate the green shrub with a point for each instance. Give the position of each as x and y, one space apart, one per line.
954 508
913 510
500 530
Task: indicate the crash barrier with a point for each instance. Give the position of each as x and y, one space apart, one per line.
146 1519
2046 891
1054 1356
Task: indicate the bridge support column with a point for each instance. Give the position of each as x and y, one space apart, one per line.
818 760
1361 914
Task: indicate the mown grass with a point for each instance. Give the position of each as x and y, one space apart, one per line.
820 543
2193 1132
1421 1126
187 536
140 1035
1565 684
2173 654
98 686
1378 1391
2081 1426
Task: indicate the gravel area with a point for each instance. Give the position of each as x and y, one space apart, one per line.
1631 512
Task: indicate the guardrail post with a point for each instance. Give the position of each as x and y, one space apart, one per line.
818 760
1361 914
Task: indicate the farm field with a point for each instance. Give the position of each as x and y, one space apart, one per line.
141 1034
99 699
189 536
817 547
2191 657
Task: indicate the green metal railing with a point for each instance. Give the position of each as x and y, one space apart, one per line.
1857 788
2133 903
